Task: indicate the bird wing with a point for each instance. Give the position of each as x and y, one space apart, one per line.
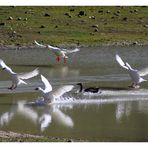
52 47
120 61
3 65
60 91
143 72
49 46
129 67
134 74
41 45
71 51
48 87
28 75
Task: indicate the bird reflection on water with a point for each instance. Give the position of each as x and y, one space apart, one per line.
43 116
49 113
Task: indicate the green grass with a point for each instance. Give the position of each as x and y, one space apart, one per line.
73 30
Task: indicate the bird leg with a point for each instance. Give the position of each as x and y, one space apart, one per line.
65 61
15 86
12 87
134 85
58 59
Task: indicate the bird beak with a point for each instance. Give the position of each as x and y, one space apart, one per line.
4 68
36 88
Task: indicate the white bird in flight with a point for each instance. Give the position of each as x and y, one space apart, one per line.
48 94
59 52
17 79
135 75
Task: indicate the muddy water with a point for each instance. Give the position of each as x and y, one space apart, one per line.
117 114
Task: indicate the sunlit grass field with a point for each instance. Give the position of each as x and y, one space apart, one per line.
72 25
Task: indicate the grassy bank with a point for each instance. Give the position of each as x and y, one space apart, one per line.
73 25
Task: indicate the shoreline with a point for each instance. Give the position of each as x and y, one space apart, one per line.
114 44
10 136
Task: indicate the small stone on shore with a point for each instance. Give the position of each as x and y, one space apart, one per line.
2 24
19 18
108 11
96 30
10 18
95 26
68 14
92 17
69 140
25 19
146 25
14 32
100 11
135 43
124 19
82 13
42 26
46 14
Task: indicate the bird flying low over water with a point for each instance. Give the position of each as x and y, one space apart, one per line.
17 78
48 94
135 75
59 52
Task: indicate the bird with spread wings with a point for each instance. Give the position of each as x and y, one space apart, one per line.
135 75
59 52
18 78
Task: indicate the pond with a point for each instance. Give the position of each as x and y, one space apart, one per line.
116 114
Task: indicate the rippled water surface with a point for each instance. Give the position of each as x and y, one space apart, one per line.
117 114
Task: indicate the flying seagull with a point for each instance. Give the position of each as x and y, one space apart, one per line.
135 75
59 52
48 94
17 79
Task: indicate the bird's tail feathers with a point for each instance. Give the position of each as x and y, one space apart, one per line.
142 80
22 82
